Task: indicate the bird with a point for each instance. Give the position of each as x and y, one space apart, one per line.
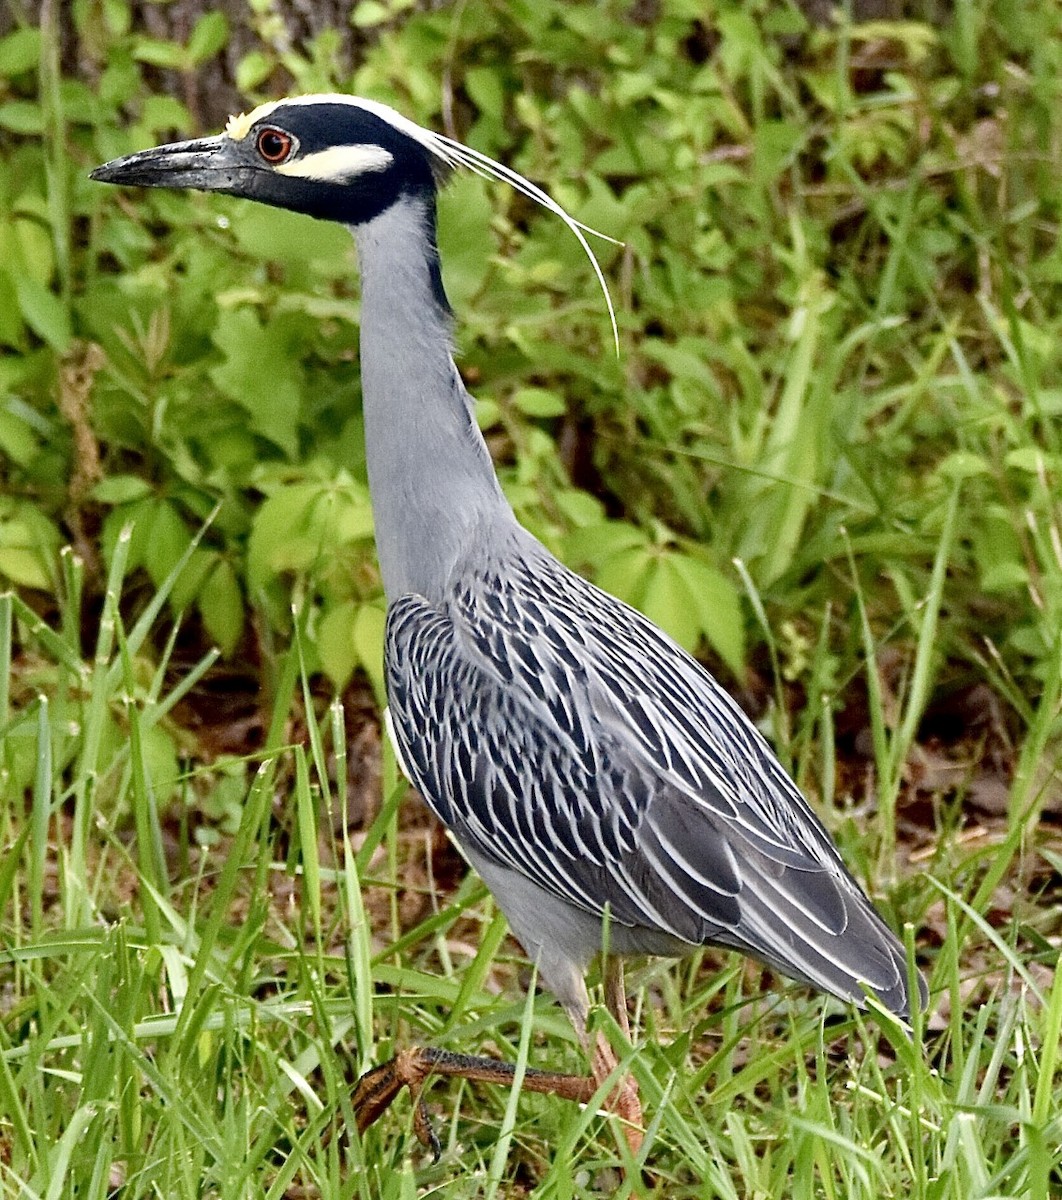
609 792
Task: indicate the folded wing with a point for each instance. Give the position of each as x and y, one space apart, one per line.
558 733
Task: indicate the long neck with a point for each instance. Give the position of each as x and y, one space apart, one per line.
430 474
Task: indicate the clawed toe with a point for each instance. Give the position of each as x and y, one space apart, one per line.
376 1090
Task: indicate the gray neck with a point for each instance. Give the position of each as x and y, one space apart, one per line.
432 481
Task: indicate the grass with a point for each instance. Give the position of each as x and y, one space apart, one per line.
828 458
199 1036
196 1031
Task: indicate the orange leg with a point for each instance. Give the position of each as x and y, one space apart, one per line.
624 1101
378 1087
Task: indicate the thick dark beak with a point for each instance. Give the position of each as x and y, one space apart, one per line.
209 164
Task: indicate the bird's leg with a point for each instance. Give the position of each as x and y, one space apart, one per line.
377 1088
616 993
624 1101
411 1068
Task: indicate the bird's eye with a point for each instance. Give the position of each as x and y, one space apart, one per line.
274 145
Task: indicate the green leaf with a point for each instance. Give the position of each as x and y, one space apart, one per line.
538 402
594 545
484 87
117 18
20 116
139 516
31 250
221 605
488 413
160 759
579 507
335 643
997 551
17 440
369 624
25 567
275 236
29 545
253 70
282 537
681 362
168 55
262 374
626 574
667 601
163 113
347 513
961 464
120 489
210 34
44 313
1026 458
301 525
12 330
169 538
717 604
369 13
189 583
20 51
466 242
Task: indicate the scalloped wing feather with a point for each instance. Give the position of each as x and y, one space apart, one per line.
563 736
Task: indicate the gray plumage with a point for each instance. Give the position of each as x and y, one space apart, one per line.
580 757
584 762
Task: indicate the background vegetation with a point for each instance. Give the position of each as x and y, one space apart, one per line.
827 458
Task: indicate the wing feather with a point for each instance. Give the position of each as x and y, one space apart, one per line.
561 735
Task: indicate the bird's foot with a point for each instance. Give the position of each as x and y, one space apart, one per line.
626 1104
376 1089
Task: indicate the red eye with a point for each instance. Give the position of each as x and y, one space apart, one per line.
274 145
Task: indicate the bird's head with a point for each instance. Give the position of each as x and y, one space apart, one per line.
331 156
341 158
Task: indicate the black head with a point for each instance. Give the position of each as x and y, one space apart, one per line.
331 156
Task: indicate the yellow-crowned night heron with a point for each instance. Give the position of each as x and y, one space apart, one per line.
583 761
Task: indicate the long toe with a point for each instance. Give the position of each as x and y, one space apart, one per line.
376 1090
374 1093
627 1105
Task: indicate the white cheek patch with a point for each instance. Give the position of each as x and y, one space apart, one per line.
337 164
445 149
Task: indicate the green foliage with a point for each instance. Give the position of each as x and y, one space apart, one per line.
801 352
29 544
832 432
114 1027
